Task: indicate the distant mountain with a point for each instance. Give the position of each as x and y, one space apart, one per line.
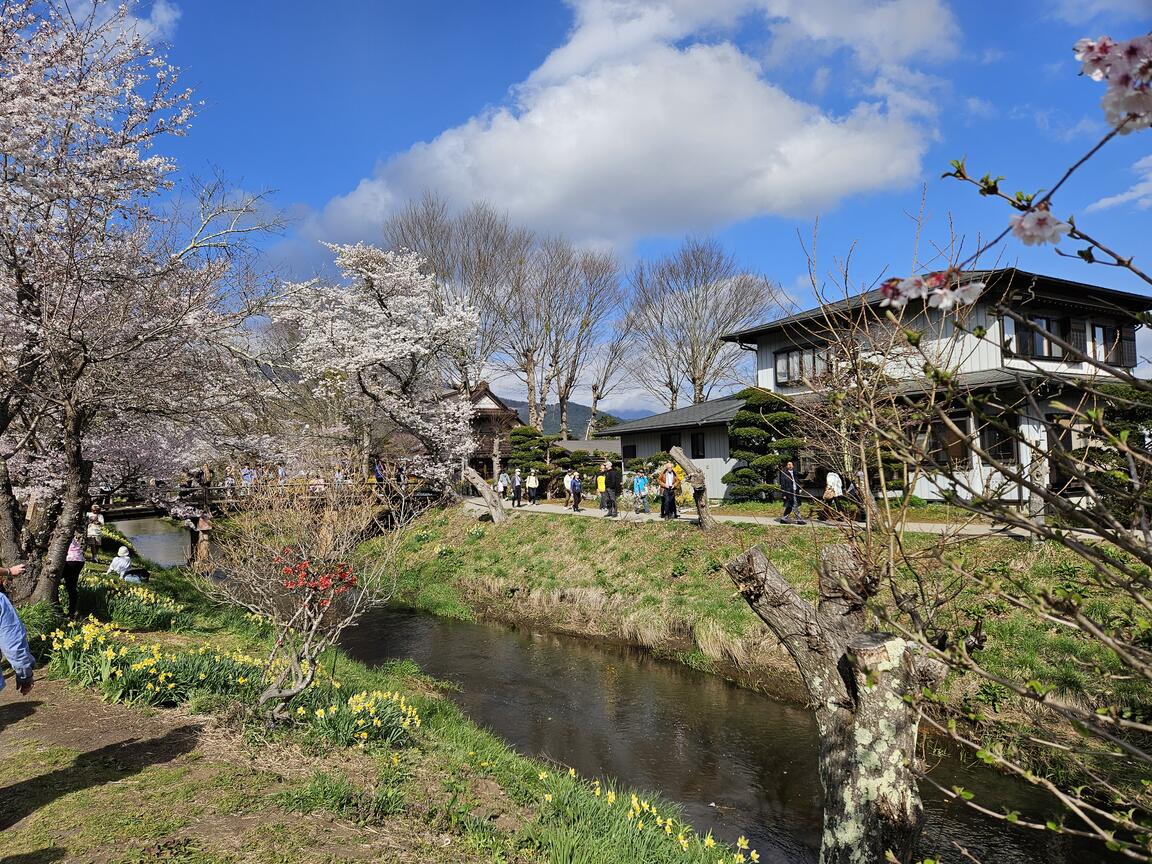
577 416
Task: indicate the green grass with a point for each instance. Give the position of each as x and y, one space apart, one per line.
437 782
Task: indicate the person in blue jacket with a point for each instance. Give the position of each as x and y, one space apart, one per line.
14 639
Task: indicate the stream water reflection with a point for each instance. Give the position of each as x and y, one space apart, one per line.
736 761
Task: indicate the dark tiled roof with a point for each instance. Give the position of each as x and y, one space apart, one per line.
707 413
1009 277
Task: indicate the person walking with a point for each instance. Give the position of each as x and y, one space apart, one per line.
613 486
73 564
14 640
503 484
94 531
568 488
668 484
517 488
640 490
533 486
601 487
577 490
790 487
833 492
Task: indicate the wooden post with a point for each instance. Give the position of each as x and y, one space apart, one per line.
695 477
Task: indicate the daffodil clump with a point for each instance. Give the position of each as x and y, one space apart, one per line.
132 605
627 826
368 718
95 654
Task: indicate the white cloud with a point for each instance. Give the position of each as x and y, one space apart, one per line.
158 25
1139 194
976 108
1082 11
646 121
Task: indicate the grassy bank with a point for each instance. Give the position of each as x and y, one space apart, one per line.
197 778
662 586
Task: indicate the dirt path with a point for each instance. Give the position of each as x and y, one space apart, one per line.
84 781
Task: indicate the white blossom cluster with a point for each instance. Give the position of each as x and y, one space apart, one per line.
387 335
1126 67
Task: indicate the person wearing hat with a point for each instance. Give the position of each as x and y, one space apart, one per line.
121 565
94 532
532 484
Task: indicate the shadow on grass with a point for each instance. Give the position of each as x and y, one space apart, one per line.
94 768
40 856
14 712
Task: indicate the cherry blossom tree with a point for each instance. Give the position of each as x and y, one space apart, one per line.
110 305
384 336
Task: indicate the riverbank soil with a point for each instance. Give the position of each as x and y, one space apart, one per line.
85 781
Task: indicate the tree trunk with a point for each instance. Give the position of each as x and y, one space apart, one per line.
495 505
856 683
78 474
593 414
495 455
562 402
529 369
11 519
695 477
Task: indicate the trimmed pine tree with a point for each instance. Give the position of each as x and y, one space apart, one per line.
763 435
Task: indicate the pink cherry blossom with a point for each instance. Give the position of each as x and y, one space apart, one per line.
1094 54
1038 226
1126 67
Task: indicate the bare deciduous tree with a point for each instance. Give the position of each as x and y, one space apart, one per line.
682 304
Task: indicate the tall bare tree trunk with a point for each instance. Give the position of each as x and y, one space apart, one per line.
695 477
562 403
857 683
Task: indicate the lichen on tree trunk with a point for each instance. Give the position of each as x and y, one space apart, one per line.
856 683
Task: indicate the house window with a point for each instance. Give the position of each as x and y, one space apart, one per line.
1042 346
668 440
1008 335
796 364
998 438
948 447
697 445
1106 343
628 451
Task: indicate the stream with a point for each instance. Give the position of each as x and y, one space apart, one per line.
736 761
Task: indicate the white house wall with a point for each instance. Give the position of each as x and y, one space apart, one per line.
715 463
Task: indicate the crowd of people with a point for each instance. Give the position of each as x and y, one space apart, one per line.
835 501
607 484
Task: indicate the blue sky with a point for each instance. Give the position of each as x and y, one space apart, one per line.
631 122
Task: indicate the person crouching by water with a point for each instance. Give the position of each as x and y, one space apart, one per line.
122 566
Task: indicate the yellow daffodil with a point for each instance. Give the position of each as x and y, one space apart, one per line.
742 842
